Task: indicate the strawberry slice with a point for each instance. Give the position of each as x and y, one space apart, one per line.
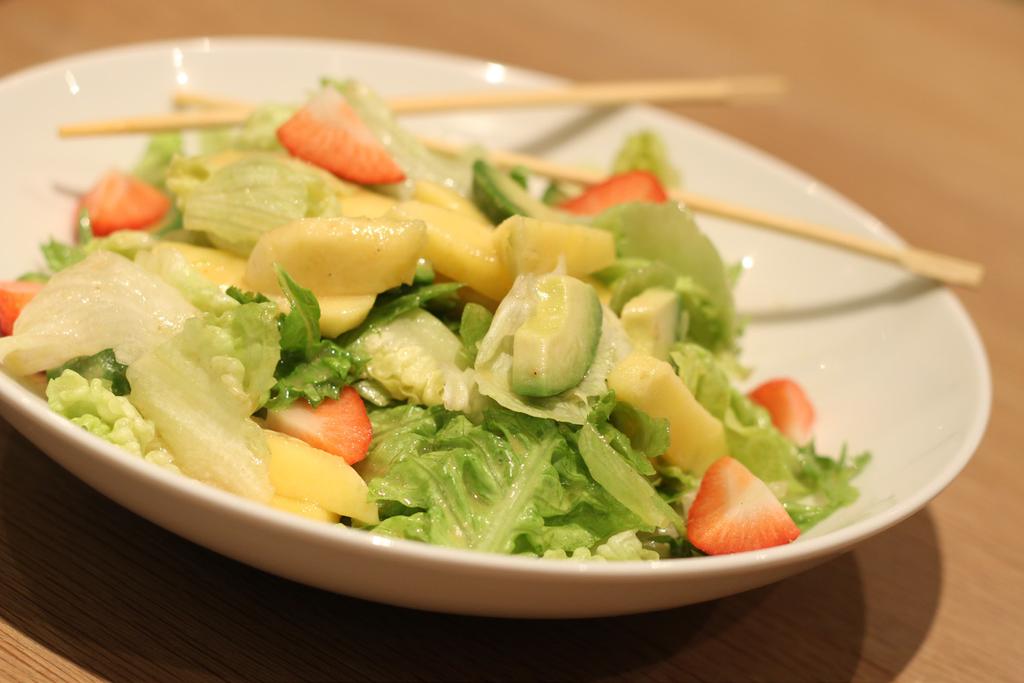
634 186
14 295
328 133
123 202
791 410
339 426
734 511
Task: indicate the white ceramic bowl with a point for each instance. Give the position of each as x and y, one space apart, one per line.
893 365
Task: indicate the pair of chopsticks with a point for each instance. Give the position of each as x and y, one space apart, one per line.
219 111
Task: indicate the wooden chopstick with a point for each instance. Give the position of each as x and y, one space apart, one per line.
689 90
948 269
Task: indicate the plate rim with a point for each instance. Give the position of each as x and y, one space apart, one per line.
19 401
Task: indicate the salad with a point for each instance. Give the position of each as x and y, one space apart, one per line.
316 312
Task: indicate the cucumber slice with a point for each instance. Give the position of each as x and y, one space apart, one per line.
498 196
554 348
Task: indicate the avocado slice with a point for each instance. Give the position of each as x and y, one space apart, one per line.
498 196
554 348
651 320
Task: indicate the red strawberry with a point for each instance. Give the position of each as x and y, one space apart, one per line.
327 132
339 426
14 295
635 186
791 410
123 202
734 511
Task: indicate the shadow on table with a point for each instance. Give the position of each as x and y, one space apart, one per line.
127 600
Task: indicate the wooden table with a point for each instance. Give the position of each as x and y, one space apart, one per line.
913 109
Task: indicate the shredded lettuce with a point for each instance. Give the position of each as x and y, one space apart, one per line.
199 389
90 404
102 302
494 360
645 151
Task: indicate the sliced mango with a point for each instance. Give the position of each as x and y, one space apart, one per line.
304 509
461 248
528 245
363 204
696 438
447 198
339 256
304 473
215 265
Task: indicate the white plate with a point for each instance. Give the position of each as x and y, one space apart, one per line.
892 364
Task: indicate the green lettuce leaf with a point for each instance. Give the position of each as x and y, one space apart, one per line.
90 404
259 132
703 376
152 167
310 367
667 233
127 243
645 151
473 326
621 547
102 365
624 483
199 389
233 205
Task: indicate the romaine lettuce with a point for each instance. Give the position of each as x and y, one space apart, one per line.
90 404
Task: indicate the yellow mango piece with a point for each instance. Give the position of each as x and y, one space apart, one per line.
461 248
337 313
304 509
215 265
304 473
365 204
696 438
338 256
528 245
447 198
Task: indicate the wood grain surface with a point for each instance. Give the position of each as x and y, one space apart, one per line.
912 109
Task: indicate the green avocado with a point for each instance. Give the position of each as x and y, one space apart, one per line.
554 348
651 319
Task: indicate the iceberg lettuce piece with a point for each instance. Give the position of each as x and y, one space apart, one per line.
103 302
667 233
644 150
199 389
703 376
416 358
173 268
91 404
418 162
102 365
236 203
494 360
